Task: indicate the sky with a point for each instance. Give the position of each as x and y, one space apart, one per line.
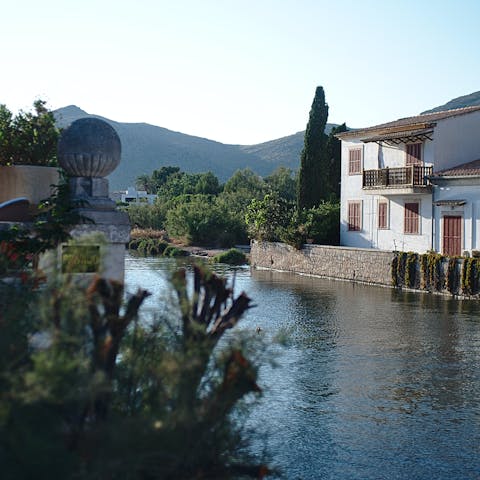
239 72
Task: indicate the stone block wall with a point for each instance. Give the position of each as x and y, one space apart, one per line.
346 263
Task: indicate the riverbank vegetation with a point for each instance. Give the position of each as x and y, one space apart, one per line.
284 206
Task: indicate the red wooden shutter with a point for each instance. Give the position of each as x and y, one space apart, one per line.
414 154
411 218
382 215
355 161
452 236
354 216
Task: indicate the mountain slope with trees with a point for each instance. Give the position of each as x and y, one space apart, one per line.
469 100
146 148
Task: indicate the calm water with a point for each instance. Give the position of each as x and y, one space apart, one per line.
373 383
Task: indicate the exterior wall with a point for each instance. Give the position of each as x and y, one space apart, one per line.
361 265
370 236
131 195
457 140
470 213
30 181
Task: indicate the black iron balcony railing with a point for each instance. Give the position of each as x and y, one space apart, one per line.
411 176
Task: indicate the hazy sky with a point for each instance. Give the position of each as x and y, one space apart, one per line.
241 71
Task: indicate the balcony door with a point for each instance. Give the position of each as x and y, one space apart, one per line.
452 235
414 154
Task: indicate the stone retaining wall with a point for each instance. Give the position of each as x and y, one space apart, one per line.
346 263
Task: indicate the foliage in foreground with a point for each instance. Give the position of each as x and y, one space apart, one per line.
88 391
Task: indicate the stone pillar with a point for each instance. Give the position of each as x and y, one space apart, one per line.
88 151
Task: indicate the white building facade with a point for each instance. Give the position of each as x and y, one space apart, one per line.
413 184
132 195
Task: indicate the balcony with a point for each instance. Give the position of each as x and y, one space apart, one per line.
397 181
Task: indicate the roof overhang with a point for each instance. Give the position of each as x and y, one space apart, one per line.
465 180
383 133
397 138
450 203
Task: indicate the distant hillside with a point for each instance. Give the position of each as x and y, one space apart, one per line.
459 102
147 147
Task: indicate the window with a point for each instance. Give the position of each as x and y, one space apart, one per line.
412 219
383 215
354 216
355 161
414 154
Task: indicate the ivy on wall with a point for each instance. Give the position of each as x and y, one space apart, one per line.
433 272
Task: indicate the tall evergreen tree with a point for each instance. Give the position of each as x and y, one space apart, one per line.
312 187
334 154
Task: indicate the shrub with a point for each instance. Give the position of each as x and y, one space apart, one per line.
150 246
147 216
234 256
171 251
202 220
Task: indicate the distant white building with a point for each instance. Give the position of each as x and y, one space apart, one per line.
413 184
132 195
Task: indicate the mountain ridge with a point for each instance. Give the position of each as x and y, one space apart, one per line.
147 147
469 100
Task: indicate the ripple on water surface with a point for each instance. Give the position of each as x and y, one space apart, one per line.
371 384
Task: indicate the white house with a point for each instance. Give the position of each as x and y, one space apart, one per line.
131 195
413 184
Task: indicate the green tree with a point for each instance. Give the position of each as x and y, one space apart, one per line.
206 184
29 138
267 218
312 188
283 182
334 161
202 220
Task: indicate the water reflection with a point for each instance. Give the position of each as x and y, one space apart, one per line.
373 383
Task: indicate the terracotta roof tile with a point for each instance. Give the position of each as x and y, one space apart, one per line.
422 121
463 170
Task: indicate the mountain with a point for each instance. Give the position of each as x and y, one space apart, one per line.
148 147
459 102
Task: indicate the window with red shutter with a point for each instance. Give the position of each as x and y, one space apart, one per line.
382 215
354 216
355 161
414 154
412 218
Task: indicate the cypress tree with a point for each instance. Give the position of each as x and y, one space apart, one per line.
312 187
334 154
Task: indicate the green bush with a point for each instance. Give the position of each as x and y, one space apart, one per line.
234 256
202 220
150 246
147 216
171 251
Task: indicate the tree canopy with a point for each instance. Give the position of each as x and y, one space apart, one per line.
28 138
312 187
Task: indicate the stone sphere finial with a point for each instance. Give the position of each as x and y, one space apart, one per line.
89 147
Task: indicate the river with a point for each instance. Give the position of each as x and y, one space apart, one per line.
371 383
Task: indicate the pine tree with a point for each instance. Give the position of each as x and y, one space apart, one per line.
312 187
